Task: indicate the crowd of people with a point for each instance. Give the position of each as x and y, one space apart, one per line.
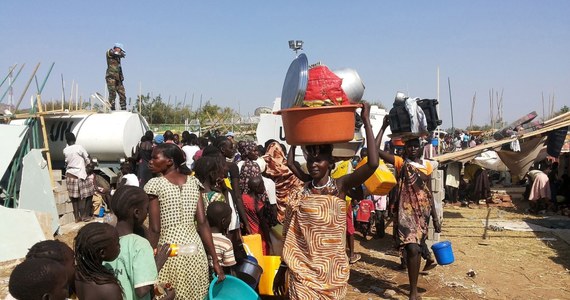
183 204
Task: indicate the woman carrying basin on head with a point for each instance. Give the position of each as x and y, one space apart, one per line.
314 228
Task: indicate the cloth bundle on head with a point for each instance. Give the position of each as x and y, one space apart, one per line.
417 116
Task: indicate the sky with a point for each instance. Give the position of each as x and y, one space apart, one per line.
235 53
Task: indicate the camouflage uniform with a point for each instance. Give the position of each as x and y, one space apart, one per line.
114 78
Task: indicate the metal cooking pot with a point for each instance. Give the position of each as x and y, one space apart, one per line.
352 85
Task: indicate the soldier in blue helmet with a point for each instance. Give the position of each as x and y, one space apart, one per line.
114 76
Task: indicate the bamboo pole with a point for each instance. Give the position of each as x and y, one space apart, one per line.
62 93
10 71
27 86
12 82
472 110
71 96
451 104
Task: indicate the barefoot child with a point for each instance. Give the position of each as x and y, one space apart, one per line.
136 268
219 215
96 243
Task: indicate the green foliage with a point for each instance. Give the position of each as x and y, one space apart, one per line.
156 111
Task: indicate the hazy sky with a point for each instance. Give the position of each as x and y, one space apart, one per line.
235 53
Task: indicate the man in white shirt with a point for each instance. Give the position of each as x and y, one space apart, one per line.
76 159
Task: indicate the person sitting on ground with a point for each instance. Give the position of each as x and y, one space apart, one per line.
127 178
219 216
413 205
136 267
96 243
478 184
320 201
39 278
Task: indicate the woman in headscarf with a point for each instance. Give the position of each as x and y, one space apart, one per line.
314 228
413 205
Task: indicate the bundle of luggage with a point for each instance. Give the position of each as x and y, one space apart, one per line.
413 115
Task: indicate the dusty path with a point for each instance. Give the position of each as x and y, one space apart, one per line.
508 264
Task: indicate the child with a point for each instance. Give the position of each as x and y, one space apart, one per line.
219 215
94 244
254 209
87 201
210 172
57 251
135 267
365 209
39 278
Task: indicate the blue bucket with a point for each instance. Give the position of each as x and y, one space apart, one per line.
443 252
230 288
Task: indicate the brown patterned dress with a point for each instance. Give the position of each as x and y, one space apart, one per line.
178 204
314 244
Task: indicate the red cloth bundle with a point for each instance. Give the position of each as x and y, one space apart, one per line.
323 84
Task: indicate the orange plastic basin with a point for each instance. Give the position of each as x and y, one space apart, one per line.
318 125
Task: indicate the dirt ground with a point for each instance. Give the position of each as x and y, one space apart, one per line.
507 264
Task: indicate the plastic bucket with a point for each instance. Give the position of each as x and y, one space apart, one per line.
230 288
270 265
318 125
443 252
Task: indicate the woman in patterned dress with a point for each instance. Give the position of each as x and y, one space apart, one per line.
413 206
315 226
175 205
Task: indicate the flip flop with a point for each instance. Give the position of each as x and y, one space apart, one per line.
355 258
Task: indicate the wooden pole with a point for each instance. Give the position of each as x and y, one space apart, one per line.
140 97
472 110
27 86
450 104
45 139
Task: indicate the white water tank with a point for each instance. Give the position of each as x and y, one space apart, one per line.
106 136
